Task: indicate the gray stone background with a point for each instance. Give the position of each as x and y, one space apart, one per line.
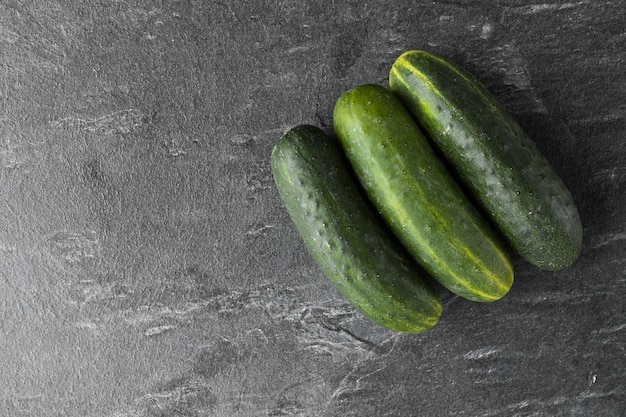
147 267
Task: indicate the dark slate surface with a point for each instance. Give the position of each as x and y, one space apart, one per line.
147 266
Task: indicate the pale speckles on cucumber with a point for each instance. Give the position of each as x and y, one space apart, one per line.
418 197
502 168
345 237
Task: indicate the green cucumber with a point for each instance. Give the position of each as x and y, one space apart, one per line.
346 237
418 197
502 168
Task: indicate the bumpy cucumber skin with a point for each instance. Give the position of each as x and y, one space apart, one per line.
344 235
418 197
501 166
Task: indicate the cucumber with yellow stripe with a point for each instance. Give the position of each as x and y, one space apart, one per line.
346 237
501 166
418 197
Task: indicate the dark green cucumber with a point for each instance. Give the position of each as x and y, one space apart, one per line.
345 236
503 169
418 197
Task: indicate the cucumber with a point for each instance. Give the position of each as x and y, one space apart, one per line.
500 165
418 197
346 237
